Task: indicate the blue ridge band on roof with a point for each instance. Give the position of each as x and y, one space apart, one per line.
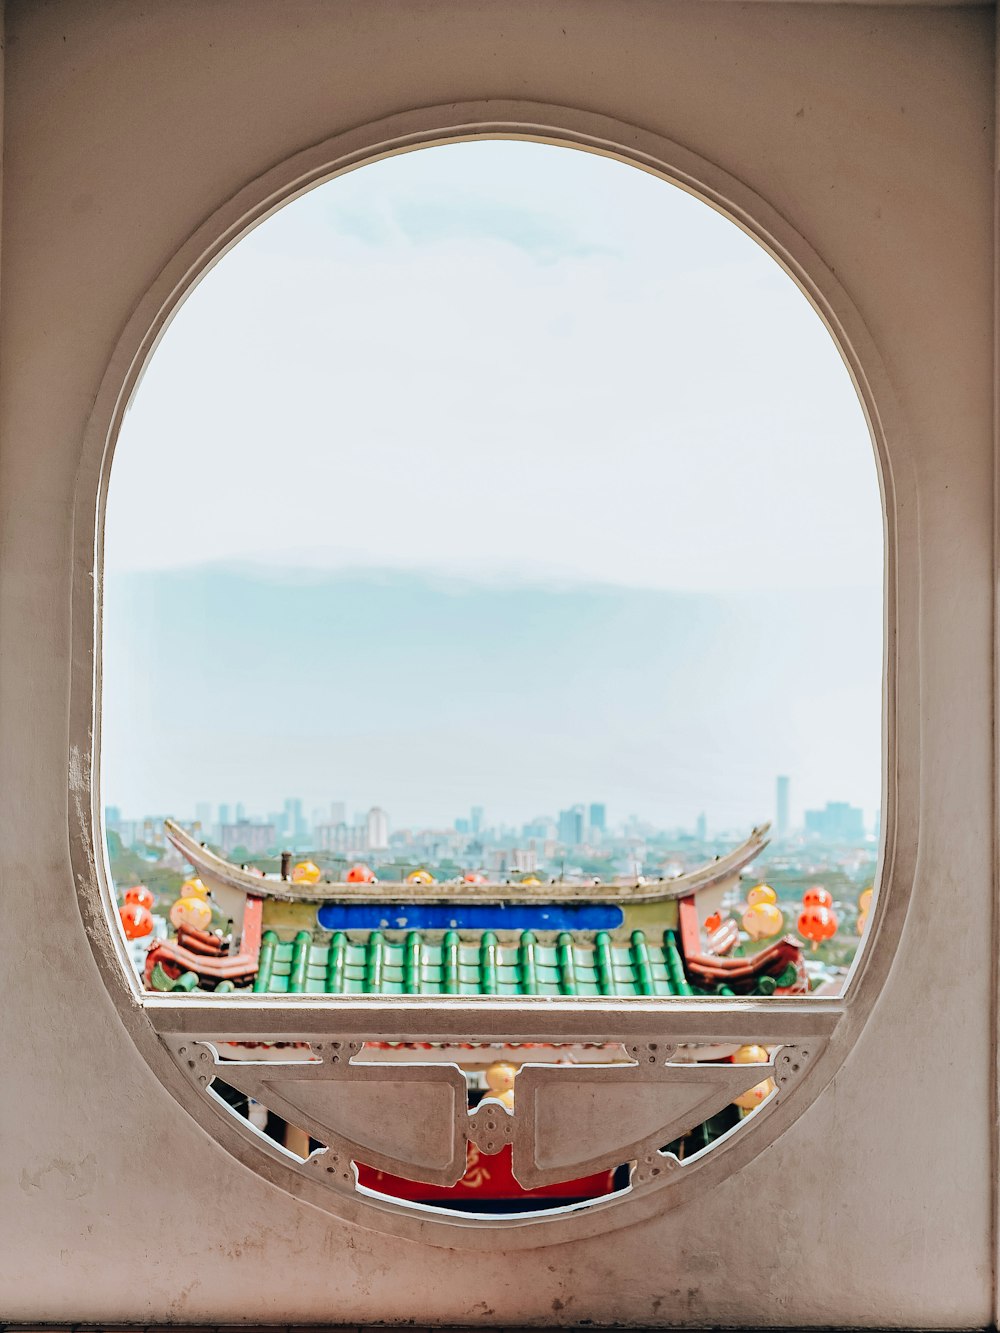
469 916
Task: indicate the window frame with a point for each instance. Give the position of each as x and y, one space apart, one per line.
831 1024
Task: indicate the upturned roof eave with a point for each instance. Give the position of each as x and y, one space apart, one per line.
216 869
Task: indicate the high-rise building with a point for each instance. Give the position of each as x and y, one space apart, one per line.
295 820
130 831
377 829
223 814
336 838
782 822
516 860
112 817
152 831
571 826
462 826
598 817
256 838
541 827
838 822
476 819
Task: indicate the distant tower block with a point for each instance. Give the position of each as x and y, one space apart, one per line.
572 826
782 820
377 829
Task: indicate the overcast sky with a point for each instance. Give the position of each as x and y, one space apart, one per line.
519 367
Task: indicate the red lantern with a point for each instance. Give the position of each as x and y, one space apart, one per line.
713 923
818 924
138 893
360 874
137 920
817 897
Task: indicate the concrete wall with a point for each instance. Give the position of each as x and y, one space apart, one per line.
871 130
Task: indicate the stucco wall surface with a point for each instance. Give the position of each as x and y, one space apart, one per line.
871 131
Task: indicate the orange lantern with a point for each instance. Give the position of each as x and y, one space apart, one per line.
818 924
306 872
817 896
194 912
137 920
763 893
473 878
138 893
763 920
713 923
360 874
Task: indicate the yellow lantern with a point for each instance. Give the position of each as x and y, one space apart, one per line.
193 888
864 903
306 872
763 920
763 893
193 912
531 879
749 1101
750 1055
500 1081
420 877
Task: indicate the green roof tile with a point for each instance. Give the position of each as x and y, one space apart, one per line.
575 965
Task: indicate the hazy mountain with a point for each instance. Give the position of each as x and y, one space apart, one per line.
427 695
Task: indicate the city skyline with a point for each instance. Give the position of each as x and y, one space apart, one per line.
584 818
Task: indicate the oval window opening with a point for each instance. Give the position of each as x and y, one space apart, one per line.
493 612
493 602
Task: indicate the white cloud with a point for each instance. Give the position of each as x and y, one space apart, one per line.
611 383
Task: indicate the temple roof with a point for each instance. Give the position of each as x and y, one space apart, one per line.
418 965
